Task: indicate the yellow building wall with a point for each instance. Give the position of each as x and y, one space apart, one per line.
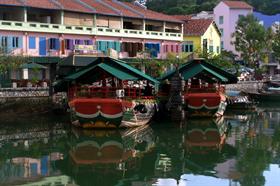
212 35
196 42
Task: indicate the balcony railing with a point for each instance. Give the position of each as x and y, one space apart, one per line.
85 30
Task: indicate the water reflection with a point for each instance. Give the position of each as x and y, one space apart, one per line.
114 154
239 149
29 153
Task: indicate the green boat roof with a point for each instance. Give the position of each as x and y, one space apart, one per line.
77 60
114 67
110 69
198 67
32 66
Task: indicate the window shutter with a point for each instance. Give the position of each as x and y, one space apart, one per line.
10 44
32 42
57 44
20 45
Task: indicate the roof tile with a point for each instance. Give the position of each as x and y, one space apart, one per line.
196 27
11 2
238 4
46 4
73 5
149 14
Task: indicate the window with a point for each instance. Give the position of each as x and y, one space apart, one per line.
218 49
221 20
222 32
4 41
32 42
54 44
188 46
15 42
211 48
222 45
88 42
67 44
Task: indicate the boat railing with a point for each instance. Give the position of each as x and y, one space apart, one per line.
108 92
201 89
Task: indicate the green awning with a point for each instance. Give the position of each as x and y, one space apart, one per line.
32 66
107 68
140 74
116 72
221 77
197 66
191 72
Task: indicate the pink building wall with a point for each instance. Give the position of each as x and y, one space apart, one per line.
165 46
231 17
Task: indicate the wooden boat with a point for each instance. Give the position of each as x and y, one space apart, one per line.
110 94
269 92
237 100
203 94
205 101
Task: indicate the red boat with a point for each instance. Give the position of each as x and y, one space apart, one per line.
109 94
203 93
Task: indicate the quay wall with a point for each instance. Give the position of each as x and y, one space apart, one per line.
246 86
16 102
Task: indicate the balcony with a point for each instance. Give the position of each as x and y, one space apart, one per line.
84 30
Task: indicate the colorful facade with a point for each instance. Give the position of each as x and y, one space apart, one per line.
226 15
59 27
200 35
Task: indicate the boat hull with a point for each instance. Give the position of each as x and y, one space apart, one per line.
111 113
204 104
263 97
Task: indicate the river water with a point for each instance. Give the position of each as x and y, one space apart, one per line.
238 149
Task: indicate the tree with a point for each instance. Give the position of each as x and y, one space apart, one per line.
250 40
276 43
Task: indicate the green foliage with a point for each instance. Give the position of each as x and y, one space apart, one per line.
276 43
194 6
8 62
250 40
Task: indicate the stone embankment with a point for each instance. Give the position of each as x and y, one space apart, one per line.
24 92
245 86
22 102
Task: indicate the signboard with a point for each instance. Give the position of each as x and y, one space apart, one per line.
90 48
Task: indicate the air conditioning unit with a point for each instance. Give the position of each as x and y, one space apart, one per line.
120 93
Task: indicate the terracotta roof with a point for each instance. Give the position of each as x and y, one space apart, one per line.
46 4
74 5
106 7
238 5
149 14
196 27
11 2
127 12
100 7
182 17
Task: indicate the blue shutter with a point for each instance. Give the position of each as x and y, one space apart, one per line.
20 45
10 44
42 46
118 46
57 44
32 42
0 41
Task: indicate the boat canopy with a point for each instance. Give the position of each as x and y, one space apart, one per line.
109 69
109 66
202 69
32 66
